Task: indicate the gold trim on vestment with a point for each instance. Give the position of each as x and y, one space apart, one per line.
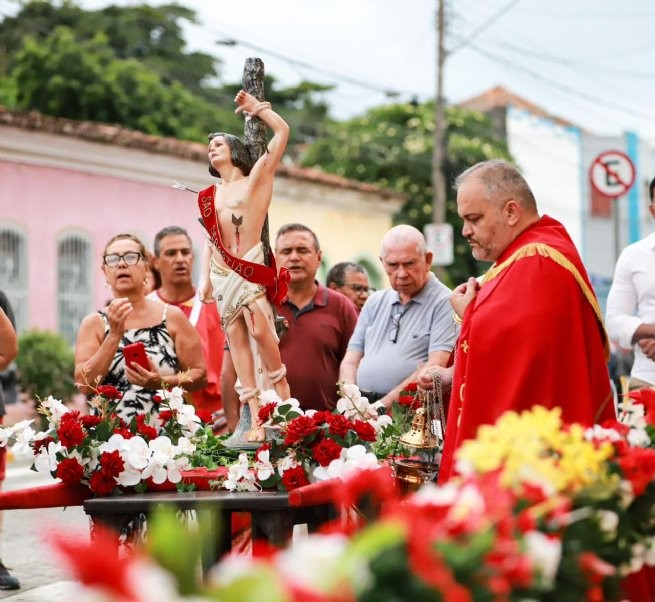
538 248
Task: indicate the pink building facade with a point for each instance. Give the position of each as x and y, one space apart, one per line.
66 188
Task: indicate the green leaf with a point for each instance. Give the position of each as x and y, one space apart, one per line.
176 547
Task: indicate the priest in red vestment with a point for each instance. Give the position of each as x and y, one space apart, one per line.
532 331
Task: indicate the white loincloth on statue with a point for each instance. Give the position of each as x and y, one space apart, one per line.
233 293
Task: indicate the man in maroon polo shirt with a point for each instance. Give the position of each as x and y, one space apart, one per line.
321 321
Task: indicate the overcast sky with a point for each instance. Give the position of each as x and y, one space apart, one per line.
589 61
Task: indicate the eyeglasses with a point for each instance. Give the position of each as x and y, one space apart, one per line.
395 322
129 258
358 289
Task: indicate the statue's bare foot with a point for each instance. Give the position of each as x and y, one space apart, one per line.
257 434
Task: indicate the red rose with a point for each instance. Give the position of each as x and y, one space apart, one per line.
298 429
90 420
266 411
148 432
411 387
165 416
37 445
294 478
157 399
339 425
124 432
70 433
70 471
112 463
102 482
410 401
109 391
638 467
326 451
364 430
321 417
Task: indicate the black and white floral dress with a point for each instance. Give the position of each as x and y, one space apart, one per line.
160 347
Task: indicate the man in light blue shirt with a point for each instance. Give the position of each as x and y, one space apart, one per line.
404 328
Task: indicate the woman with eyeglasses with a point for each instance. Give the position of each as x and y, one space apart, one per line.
172 345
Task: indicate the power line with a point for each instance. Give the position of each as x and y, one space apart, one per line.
587 65
484 25
562 87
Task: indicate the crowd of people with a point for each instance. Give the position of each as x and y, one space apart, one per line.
530 331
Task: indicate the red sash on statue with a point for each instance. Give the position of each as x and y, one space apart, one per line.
276 284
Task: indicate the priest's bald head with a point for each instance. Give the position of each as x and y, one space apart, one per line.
496 204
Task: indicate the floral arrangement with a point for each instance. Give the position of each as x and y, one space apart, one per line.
103 451
309 446
541 511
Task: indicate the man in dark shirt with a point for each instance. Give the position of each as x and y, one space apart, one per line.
321 321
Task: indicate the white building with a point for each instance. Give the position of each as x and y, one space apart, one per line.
555 156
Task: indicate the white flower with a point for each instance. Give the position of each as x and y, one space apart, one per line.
135 453
443 495
5 435
129 477
350 390
114 443
46 459
23 435
608 521
186 416
638 553
185 446
649 556
55 407
233 567
298 563
351 460
239 476
173 398
355 407
545 553
162 466
269 396
263 465
638 437
286 463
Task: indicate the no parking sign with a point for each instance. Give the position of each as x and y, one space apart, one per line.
612 173
440 240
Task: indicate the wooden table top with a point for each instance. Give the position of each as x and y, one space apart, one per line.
245 501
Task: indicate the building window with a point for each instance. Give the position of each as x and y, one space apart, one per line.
13 274
74 285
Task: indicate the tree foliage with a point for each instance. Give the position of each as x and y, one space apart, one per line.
129 65
391 146
46 364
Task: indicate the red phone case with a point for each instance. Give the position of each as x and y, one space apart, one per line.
135 353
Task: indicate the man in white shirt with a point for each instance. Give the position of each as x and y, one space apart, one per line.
630 314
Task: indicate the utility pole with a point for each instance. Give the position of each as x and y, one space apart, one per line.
439 153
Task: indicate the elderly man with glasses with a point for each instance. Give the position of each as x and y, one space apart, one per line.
404 328
350 279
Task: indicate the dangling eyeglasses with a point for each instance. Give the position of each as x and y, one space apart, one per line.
396 314
129 258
